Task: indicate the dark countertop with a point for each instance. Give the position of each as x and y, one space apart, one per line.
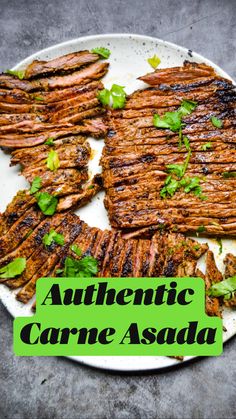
59 388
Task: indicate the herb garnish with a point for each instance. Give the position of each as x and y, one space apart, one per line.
53 162
14 268
53 236
46 202
38 98
201 229
116 95
187 107
103 52
216 122
225 289
173 120
18 73
50 141
85 267
219 241
170 120
36 185
206 146
76 249
154 61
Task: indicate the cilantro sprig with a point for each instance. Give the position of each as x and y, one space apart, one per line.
116 96
53 237
85 267
46 202
36 185
225 289
14 268
103 52
216 122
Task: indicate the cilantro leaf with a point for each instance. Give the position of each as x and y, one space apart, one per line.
187 107
219 241
170 120
82 268
53 236
176 169
171 186
38 98
201 229
206 146
14 268
53 162
116 93
118 96
50 141
216 122
76 249
226 289
18 73
36 185
103 52
191 184
104 97
154 61
47 203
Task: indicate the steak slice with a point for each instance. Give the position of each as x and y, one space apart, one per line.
64 63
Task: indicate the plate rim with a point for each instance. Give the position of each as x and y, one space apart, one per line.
91 361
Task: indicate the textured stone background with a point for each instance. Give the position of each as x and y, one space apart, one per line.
56 387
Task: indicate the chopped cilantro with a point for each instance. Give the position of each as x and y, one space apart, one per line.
116 95
206 146
154 61
225 289
103 52
85 267
76 249
14 268
53 162
18 73
46 202
53 236
187 107
216 122
201 229
38 98
36 185
50 141
170 120
219 241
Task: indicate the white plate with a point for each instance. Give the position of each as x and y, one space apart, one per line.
128 60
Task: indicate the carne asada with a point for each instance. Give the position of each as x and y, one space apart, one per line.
166 153
46 116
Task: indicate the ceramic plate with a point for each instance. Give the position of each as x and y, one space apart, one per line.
128 60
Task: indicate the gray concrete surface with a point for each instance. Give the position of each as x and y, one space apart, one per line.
57 387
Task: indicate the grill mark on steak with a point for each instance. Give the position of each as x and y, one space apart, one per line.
59 102
65 63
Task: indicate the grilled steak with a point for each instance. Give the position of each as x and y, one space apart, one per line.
56 101
137 155
165 254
